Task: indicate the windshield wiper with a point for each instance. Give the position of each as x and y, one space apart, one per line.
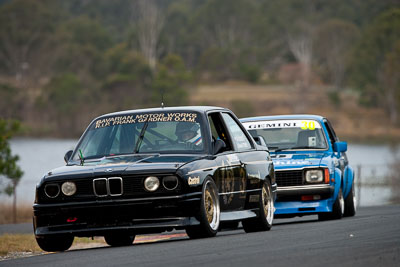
295 147
141 136
81 158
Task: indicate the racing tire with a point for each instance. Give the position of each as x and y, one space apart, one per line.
266 212
337 209
350 203
209 213
55 243
119 239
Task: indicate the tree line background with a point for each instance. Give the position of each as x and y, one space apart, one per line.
64 62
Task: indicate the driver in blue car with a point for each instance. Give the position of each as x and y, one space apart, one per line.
189 134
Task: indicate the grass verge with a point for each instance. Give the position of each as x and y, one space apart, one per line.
18 243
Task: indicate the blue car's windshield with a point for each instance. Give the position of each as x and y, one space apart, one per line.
162 132
289 134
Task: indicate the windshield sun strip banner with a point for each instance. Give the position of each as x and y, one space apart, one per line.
150 117
278 124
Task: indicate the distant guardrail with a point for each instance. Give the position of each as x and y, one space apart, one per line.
373 176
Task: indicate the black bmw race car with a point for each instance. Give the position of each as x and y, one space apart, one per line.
155 170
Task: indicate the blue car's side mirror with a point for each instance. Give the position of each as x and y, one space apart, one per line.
340 147
260 140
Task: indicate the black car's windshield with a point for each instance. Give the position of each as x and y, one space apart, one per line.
289 134
162 132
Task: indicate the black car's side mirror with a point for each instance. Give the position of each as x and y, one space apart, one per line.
218 146
67 156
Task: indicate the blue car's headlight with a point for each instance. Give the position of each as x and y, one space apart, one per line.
314 176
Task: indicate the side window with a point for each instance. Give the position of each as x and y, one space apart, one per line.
218 130
331 132
238 136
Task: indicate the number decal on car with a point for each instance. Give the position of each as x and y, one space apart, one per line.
310 125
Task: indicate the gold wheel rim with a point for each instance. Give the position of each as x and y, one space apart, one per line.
265 201
209 206
268 204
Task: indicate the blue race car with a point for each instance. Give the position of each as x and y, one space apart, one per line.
311 167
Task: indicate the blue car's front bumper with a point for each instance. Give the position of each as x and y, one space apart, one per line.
297 207
303 207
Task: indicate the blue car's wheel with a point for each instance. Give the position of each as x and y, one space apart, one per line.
337 209
350 203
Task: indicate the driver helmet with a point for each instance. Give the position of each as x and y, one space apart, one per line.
188 132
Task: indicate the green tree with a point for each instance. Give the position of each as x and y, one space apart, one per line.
216 64
149 24
10 101
171 81
333 42
219 64
227 23
10 173
225 32
128 78
81 43
373 55
112 15
65 97
389 78
25 27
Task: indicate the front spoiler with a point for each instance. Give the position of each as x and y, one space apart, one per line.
299 208
136 226
91 218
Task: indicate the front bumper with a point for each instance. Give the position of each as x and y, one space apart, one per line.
299 208
91 218
289 200
318 189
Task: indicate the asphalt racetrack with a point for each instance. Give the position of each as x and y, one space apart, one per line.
371 238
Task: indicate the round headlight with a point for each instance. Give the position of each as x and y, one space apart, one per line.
151 183
52 190
314 176
68 188
170 182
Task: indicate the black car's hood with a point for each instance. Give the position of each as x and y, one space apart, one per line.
123 165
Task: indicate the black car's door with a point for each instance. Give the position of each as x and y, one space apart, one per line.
230 176
256 164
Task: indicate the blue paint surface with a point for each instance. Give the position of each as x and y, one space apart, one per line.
341 175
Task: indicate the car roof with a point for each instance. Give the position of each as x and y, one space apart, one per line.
200 109
284 117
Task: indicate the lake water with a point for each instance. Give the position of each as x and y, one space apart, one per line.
38 156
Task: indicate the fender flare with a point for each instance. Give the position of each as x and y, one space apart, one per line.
348 178
338 184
